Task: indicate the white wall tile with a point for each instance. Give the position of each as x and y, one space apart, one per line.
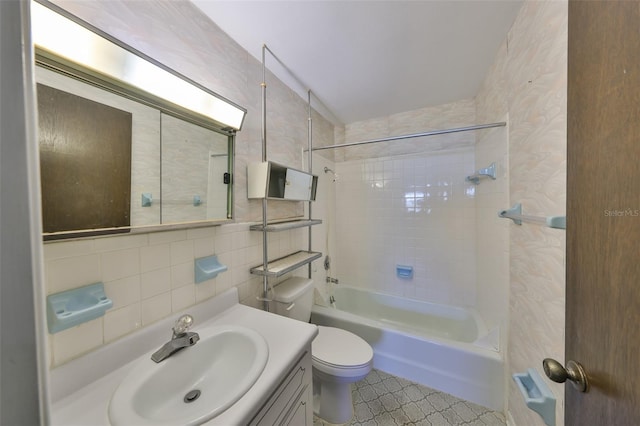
70 343
155 257
120 264
155 308
181 252
183 297
57 250
224 281
224 242
240 239
124 291
167 237
67 273
200 233
155 282
203 247
255 238
182 275
205 290
239 275
119 322
120 242
239 258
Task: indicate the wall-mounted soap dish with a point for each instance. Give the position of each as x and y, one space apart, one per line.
537 395
207 268
404 271
73 307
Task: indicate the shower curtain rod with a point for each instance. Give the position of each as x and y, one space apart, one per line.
414 135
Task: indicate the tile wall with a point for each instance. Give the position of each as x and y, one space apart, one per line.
150 276
409 210
407 202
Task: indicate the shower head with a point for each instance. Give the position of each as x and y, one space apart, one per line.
327 170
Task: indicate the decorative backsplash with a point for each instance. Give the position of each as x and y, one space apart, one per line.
150 276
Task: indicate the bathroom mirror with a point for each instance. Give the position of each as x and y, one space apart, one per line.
118 153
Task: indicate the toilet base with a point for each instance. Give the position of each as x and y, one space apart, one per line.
332 401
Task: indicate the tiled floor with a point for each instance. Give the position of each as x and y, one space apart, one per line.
385 400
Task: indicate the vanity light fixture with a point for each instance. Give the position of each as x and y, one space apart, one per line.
61 36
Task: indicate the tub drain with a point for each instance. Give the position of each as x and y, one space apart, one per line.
192 396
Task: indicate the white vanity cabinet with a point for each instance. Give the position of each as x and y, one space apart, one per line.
292 402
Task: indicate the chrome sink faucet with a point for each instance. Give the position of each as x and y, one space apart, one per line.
180 339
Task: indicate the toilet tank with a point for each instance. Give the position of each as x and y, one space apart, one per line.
293 298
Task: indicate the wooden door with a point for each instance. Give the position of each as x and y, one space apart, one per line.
603 211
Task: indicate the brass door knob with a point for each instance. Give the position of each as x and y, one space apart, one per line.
574 373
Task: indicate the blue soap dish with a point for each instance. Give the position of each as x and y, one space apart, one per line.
207 268
537 395
73 307
404 272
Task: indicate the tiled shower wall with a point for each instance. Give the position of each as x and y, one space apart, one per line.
150 275
408 210
407 203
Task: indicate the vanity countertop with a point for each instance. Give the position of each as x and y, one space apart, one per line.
81 389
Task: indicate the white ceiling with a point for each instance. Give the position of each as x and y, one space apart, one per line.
367 59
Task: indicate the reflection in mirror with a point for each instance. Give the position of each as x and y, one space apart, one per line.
117 157
194 163
144 157
85 161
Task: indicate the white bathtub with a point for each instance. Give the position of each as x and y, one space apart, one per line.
442 347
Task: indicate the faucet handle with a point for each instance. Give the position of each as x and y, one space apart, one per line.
182 325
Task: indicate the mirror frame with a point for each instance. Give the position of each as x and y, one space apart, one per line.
62 65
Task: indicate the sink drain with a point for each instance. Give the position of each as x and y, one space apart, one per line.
192 396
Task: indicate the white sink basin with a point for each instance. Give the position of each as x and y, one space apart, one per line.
222 366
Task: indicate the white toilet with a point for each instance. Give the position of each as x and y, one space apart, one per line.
339 357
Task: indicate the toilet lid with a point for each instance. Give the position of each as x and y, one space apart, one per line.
340 348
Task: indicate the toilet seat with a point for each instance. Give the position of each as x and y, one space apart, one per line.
340 353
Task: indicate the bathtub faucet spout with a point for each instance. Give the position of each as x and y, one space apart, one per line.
332 280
